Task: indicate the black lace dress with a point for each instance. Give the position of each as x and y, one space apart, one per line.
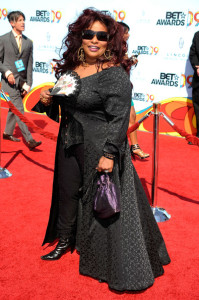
127 250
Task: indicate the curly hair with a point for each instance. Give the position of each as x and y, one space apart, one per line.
73 41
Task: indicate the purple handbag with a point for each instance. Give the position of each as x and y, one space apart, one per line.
107 197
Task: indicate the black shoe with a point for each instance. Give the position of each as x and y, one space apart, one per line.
10 138
60 249
33 144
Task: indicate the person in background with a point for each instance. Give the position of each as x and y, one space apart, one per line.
135 147
125 250
16 67
194 60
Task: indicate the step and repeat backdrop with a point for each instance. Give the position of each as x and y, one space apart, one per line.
160 34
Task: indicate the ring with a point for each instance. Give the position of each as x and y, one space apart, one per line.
105 171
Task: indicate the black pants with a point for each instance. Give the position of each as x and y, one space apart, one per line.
70 179
195 99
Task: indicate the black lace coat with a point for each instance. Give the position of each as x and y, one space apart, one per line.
127 250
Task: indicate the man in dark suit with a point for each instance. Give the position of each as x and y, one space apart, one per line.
194 59
16 66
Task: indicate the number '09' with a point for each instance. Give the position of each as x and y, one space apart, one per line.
119 15
3 12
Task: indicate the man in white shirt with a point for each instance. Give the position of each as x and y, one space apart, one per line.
16 67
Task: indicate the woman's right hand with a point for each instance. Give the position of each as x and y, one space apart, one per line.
45 97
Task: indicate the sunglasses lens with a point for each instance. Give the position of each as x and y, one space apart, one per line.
89 34
102 36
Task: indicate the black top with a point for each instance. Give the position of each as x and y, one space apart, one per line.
104 97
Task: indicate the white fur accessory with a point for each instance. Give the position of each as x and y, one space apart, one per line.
67 85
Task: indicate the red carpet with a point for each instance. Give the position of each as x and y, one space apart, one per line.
25 203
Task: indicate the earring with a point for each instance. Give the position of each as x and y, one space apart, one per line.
81 55
107 54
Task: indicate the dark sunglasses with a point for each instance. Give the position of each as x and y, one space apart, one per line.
101 35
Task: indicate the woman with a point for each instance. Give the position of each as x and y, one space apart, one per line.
126 250
136 151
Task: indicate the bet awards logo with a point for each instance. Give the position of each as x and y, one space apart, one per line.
148 50
173 80
46 16
44 67
3 13
176 18
143 97
168 79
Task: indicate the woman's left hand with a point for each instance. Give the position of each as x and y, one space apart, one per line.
105 164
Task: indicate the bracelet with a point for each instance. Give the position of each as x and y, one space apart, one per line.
108 155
